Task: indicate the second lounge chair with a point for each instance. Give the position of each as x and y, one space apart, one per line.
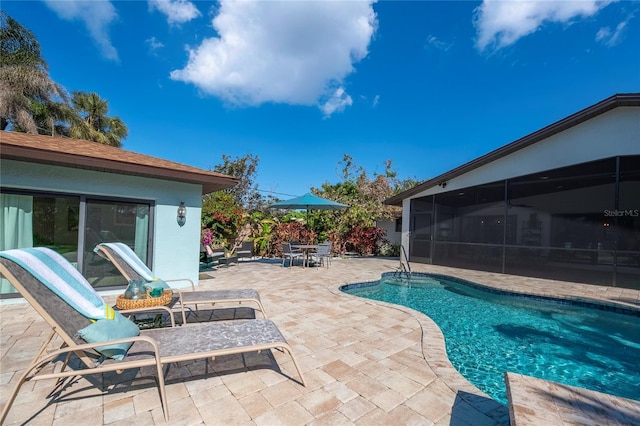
132 268
111 342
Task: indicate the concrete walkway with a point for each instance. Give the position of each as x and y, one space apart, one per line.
365 362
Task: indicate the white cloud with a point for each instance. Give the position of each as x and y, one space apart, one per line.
501 23
154 44
177 11
611 38
435 42
96 15
337 102
284 52
603 35
376 100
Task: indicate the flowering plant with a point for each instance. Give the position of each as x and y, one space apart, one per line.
222 216
206 236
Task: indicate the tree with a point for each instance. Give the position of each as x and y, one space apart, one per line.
244 168
365 196
222 216
25 84
52 118
95 125
225 214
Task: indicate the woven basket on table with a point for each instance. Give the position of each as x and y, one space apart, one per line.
149 302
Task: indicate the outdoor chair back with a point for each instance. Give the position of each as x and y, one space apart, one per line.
246 250
132 268
289 253
212 257
61 316
61 306
323 253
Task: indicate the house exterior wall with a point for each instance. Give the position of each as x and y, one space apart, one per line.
543 210
616 132
176 249
390 226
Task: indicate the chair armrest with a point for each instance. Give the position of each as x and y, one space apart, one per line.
193 287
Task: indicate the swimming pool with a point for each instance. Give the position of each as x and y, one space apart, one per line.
490 332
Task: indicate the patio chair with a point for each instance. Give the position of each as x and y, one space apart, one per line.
289 253
132 268
71 307
323 253
246 250
210 256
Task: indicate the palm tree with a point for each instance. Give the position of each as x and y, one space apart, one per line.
24 78
53 118
95 125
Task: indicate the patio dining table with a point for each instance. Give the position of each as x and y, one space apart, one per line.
306 248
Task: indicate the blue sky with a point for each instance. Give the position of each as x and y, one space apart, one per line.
429 85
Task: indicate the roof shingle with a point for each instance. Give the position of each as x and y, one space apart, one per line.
89 155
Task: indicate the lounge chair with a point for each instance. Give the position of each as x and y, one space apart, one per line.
64 298
132 268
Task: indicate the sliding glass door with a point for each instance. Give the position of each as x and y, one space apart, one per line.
73 225
109 221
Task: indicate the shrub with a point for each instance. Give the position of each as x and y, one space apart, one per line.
390 250
365 240
288 232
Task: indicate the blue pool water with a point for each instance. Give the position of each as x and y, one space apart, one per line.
488 333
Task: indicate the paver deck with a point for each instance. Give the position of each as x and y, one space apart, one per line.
534 401
365 362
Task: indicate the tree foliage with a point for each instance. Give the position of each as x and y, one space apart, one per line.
222 216
244 168
18 45
364 195
95 125
52 118
352 229
25 85
30 101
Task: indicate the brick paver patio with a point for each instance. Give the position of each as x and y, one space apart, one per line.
365 362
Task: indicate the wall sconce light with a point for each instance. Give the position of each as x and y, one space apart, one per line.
182 214
443 185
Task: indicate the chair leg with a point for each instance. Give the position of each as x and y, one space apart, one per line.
261 308
163 393
13 395
35 363
288 350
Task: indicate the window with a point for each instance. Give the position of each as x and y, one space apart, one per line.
33 220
